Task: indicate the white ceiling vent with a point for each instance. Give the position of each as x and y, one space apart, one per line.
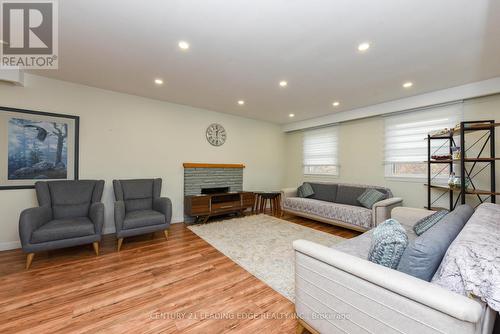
12 76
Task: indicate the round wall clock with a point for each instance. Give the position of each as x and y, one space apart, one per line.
216 134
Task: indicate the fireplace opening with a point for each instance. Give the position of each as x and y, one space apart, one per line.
215 190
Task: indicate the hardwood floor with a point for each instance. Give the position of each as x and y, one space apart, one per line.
182 285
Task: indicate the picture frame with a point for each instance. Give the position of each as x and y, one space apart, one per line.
37 146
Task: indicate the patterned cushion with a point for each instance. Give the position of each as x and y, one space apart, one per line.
370 197
388 244
427 222
360 246
355 215
305 190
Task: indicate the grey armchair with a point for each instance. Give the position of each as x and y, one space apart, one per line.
69 214
139 209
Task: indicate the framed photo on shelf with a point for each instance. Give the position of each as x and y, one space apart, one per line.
37 146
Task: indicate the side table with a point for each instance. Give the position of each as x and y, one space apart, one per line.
263 197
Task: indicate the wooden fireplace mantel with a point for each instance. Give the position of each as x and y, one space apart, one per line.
203 165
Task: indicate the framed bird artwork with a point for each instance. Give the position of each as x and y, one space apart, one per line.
36 146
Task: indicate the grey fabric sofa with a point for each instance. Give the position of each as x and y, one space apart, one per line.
70 213
336 204
358 296
139 209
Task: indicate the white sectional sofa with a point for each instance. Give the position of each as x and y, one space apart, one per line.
336 204
337 290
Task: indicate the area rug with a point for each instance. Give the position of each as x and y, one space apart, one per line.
262 245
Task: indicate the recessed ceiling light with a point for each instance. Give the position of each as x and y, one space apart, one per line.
283 83
291 115
363 46
408 84
336 103
183 45
159 81
241 102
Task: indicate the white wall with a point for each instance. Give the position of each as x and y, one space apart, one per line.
361 152
125 136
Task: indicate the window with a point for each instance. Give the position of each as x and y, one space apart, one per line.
320 151
406 144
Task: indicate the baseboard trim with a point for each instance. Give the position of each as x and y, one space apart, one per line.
9 245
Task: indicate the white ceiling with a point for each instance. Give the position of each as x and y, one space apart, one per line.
241 49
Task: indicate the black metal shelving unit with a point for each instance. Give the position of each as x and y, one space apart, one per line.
467 165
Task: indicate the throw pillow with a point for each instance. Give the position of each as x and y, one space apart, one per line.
423 255
389 241
305 190
427 222
370 197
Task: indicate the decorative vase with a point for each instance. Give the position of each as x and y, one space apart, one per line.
451 179
456 182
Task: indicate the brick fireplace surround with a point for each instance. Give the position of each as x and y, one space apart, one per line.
199 175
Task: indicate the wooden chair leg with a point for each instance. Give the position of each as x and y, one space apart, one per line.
119 245
278 206
96 247
302 326
271 204
166 234
300 329
29 259
254 201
